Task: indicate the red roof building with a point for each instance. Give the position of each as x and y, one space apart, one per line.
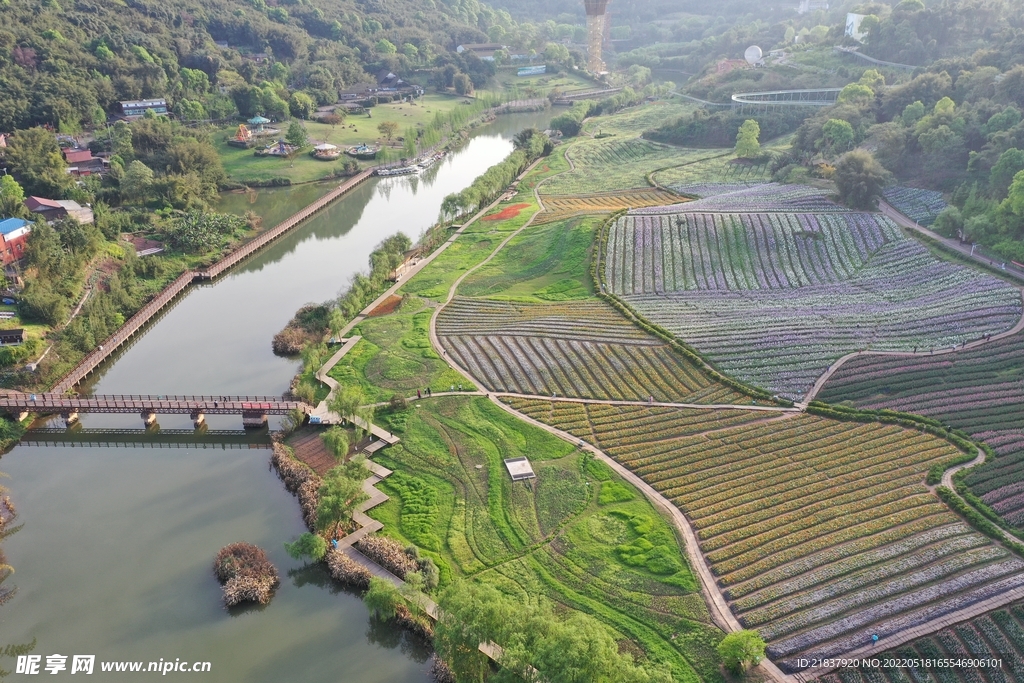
13 237
82 162
55 209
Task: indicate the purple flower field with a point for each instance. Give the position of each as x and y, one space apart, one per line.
774 299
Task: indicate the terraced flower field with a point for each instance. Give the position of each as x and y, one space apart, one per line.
819 531
756 197
584 349
619 163
559 208
775 298
979 390
998 636
923 206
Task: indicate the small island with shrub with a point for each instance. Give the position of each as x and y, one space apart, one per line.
245 574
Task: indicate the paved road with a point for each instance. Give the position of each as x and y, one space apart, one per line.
954 245
949 244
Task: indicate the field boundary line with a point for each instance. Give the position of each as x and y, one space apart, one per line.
717 605
605 401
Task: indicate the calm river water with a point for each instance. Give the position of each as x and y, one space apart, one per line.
115 551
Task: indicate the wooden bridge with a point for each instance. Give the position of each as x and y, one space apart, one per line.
253 409
132 326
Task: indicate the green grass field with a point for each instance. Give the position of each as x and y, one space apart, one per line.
395 358
242 165
576 534
479 239
545 263
508 83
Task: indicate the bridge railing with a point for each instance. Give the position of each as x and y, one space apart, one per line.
812 97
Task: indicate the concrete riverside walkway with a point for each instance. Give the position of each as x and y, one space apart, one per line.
171 292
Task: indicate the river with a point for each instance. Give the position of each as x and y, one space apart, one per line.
115 552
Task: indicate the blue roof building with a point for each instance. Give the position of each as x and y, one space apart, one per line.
9 225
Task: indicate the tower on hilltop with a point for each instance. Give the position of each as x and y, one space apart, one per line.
596 10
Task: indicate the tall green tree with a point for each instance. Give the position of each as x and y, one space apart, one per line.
36 160
741 648
1015 197
11 198
470 614
337 442
340 493
837 136
121 141
136 182
307 545
297 134
383 599
387 129
860 179
748 144
1011 162
349 402
302 105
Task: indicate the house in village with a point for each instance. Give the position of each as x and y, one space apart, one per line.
81 162
55 209
484 51
134 109
13 337
13 236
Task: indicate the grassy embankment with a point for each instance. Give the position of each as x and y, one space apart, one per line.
576 535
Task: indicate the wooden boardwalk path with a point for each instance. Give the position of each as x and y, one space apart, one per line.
171 292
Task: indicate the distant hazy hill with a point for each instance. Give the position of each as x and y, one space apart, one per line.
61 60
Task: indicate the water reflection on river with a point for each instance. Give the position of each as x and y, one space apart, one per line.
115 553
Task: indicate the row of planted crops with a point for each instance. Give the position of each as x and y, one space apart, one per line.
582 350
978 390
818 530
775 298
995 641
